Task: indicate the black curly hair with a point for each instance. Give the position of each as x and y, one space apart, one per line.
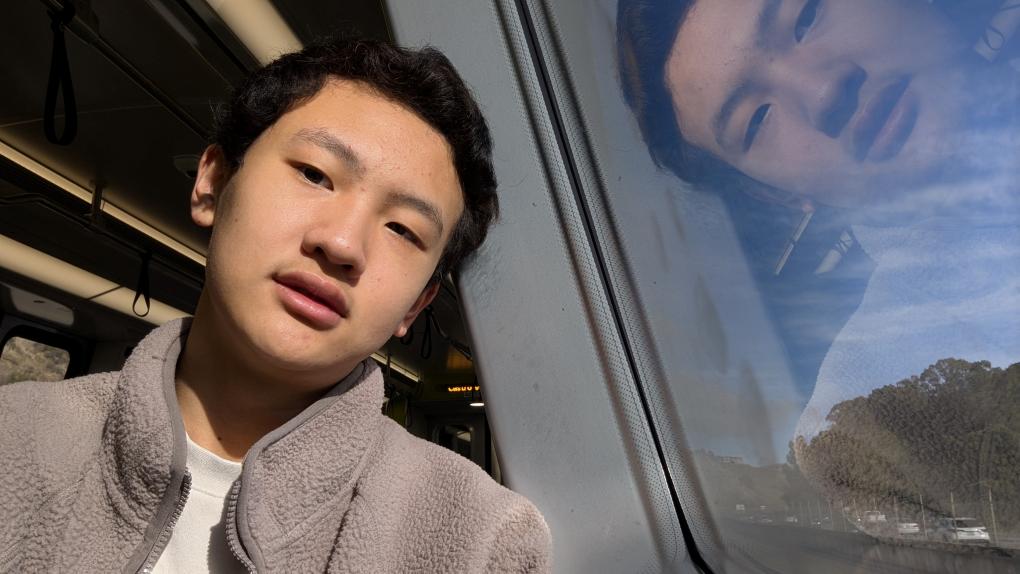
645 33
422 80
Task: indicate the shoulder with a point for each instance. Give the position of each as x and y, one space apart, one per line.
86 396
442 472
50 433
54 420
451 494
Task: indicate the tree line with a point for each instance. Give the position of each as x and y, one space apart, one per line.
942 439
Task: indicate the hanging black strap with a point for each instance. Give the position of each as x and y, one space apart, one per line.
426 339
142 290
60 80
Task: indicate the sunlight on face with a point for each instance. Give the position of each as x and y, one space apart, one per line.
349 197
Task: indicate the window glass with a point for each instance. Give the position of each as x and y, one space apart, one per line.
818 202
28 360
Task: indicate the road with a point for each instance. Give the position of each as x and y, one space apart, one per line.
778 548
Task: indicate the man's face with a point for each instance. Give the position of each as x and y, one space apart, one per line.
840 100
327 234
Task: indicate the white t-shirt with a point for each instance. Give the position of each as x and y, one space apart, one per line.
199 541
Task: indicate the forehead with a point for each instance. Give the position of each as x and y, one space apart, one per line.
709 57
365 113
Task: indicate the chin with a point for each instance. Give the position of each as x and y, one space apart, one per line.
305 366
288 343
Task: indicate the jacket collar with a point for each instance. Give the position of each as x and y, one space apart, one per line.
306 467
306 470
144 440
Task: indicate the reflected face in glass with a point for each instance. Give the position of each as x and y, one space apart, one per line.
839 100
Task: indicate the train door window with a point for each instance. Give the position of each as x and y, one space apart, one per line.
24 359
454 437
465 434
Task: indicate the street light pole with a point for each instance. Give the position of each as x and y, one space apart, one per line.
924 527
995 530
952 504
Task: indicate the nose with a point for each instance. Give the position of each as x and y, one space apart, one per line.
339 241
826 91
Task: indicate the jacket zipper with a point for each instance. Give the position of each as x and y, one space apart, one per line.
168 527
233 537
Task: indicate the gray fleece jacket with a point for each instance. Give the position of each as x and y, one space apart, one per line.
93 477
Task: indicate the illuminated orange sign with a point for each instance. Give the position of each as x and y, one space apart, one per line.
466 389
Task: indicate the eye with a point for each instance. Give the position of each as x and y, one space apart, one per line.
806 19
404 232
755 124
314 176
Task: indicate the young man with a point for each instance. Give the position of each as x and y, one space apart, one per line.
343 182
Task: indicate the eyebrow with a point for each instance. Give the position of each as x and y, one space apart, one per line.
422 206
764 22
322 138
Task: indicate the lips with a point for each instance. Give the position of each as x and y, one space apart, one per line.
312 297
884 123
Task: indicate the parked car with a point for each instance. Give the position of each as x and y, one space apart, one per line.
962 530
873 517
908 529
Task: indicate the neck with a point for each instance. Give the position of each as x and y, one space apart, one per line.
226 403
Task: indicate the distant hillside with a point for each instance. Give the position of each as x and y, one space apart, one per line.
25 360
947 436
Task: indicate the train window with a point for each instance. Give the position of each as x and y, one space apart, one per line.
27 360
806 217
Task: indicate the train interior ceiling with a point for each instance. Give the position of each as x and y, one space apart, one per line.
97 242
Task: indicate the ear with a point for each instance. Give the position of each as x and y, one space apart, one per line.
426 297
211 178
